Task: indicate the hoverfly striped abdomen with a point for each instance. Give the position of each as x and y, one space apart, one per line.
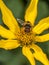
27 27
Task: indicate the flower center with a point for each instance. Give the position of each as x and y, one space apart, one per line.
26 35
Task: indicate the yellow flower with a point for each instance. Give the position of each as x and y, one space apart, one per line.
26 36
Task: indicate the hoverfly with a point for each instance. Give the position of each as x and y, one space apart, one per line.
26 25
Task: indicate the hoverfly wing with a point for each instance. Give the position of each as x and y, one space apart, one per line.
21 22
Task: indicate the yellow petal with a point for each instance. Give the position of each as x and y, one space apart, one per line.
41 26
9 44
26 52
42 38
39 54
31 12
8 18
6 33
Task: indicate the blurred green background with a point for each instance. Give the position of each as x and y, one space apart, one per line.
18 7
